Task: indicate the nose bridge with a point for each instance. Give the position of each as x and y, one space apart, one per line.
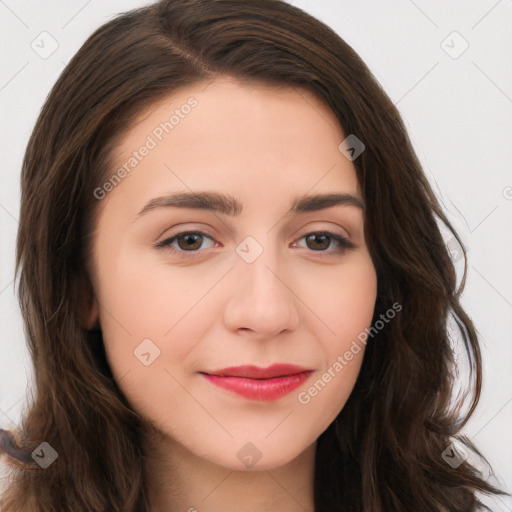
260 275
262 300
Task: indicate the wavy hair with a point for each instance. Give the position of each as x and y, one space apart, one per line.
384 450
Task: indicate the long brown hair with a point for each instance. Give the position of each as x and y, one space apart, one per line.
384 451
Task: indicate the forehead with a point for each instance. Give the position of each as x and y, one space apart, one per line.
228 134
247 112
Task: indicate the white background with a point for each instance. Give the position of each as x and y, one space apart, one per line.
458 112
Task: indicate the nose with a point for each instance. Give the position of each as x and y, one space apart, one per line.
263 300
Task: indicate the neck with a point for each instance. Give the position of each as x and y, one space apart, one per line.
178 480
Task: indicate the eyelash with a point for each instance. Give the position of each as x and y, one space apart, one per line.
344 243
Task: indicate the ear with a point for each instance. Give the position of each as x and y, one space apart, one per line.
86 303
90 316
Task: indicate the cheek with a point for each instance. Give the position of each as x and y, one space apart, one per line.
348 313
144 298
346 303
151 316
346 307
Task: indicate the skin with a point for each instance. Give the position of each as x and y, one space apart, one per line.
211 309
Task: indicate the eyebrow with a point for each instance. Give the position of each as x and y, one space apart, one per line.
229 205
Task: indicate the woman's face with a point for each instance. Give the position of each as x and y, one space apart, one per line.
254 282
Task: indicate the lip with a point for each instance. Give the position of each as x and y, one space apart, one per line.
257 383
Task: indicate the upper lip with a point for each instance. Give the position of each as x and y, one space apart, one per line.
256 372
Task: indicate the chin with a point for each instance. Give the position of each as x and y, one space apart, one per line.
255 456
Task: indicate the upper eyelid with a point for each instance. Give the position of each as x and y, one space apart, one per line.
345 234
205 233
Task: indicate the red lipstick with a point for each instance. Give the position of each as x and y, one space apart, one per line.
256 383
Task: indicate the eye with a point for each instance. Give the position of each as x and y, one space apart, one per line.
321 240
188 241
192 241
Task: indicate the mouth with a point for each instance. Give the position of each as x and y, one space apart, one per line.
255 383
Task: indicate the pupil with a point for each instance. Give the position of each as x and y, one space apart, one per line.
316 236
189 239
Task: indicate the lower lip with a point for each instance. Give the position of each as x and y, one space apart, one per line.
260 389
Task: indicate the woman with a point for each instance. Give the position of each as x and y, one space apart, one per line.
253 370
